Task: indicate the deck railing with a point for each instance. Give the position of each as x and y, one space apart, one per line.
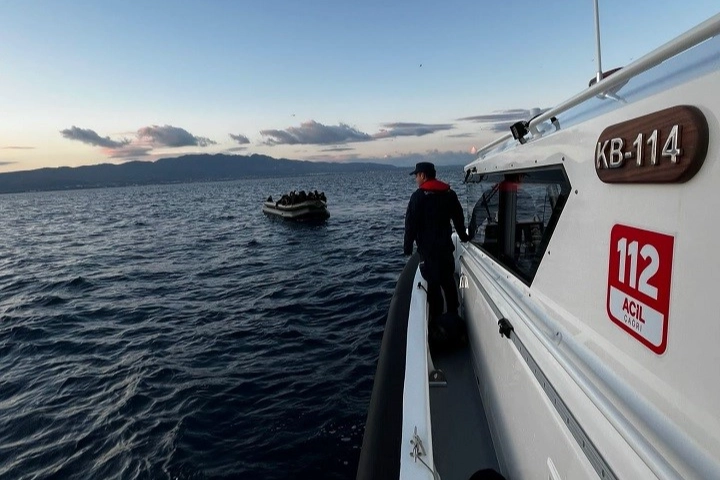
699 34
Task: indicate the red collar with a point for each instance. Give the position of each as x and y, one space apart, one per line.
434 185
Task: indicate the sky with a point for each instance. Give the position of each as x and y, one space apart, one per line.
108 81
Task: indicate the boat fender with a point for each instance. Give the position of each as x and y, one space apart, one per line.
382 441
505 327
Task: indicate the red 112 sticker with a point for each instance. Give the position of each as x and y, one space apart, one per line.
638 295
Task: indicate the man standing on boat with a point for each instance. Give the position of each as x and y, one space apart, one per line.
427 222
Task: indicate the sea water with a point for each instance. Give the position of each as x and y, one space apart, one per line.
174 331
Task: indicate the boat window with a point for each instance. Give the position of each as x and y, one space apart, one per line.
514 214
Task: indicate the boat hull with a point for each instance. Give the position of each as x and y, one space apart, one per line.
314 210
589 285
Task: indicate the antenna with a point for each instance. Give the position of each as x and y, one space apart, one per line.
598 75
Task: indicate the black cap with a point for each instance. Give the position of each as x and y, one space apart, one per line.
424 167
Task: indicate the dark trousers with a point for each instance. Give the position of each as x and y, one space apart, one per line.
439 271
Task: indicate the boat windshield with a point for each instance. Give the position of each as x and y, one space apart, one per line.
514 214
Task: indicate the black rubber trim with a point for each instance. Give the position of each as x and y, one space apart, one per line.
505 327
380 454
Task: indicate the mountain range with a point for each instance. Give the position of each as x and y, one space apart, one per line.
187 168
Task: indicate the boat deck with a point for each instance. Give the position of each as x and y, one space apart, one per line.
462 444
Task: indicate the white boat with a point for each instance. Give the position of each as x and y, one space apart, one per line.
589 293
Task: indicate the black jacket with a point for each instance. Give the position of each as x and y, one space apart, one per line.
427 221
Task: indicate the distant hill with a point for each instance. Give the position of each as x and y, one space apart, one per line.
188 168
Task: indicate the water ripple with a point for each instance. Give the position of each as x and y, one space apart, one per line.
176 332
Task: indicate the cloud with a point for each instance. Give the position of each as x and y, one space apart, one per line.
129 151
146 139
502 120
435 156
15 147
314 133
241 139
86 135
3 163
403 129
237 149
169 136
403 159
462 135
337 149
